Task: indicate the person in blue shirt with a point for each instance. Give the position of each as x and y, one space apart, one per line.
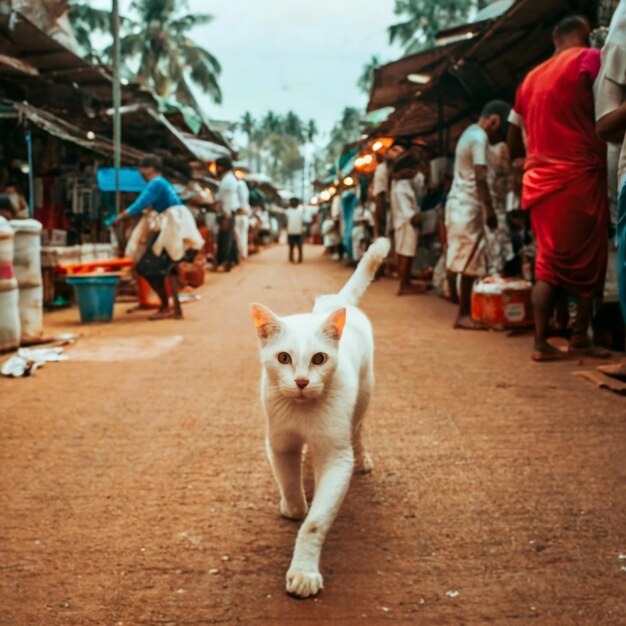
160 195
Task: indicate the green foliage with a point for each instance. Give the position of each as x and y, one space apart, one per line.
156 46
423 19
275 144
367 75
347 130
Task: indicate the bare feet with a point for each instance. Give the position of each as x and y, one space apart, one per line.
585 348
412 289
548 353
165 314
467 323
615 370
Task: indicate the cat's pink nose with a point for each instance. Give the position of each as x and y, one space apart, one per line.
302 382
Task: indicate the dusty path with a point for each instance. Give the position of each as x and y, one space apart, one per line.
136 492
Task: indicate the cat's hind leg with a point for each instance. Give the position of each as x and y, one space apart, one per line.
332 477
363 460
287 467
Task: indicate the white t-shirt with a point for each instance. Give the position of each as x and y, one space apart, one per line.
403 202
381 179
610 86
295 220
244 196
471 151
228 193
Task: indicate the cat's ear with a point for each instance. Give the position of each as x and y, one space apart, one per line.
265 322
334 324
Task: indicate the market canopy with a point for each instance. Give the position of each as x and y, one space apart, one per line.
65 131
32 49
483 60
206 151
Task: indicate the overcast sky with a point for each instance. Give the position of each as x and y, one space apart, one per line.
304 55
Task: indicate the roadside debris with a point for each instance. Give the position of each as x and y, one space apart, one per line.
26 362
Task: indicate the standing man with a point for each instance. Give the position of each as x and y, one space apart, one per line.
610 92
167 244
227 204
469 208
242 219
405 220
295 228
565 181
380 189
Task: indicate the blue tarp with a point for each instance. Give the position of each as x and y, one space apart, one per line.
130 179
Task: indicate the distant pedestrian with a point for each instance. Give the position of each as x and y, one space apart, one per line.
242 219
405 220
228 200
295 228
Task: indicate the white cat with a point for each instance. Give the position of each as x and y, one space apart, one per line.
318 376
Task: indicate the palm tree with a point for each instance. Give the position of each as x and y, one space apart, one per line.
271 123
367 75
423 19
293 126
346 130
311 131
248 126
158 42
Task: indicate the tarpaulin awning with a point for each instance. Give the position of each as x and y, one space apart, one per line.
490 64
206 151
130 179
65 131
22 40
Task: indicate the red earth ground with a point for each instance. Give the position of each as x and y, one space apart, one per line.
135 490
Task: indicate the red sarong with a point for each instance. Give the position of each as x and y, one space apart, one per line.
565 179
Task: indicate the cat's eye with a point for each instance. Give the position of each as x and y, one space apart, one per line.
284 358
318 359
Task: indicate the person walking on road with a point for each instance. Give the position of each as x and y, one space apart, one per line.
160 244
295 228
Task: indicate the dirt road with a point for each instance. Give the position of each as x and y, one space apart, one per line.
135 491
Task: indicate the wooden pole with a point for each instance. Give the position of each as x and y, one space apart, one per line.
117 100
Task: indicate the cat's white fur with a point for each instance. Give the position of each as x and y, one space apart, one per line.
326 415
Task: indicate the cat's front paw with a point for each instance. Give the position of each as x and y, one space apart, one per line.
293 511
365 464
304 583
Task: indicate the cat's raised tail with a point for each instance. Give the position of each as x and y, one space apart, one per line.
365 272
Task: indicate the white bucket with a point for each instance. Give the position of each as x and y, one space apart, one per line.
9 317
27 254
27 265
7 235
9 308
31 313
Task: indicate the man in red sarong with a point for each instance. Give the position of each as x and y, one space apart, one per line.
564 185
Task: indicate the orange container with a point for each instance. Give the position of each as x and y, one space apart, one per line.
503 304
93 267
147 298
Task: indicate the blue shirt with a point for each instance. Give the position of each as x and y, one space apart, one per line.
159 194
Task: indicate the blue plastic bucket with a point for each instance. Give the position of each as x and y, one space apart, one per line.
95 295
